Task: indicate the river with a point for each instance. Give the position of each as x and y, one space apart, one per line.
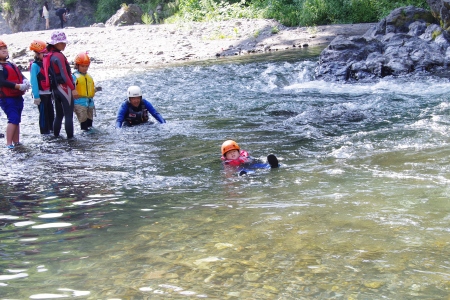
359 208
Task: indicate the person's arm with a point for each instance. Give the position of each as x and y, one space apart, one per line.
121 115
244 157
35 69
59 59
153 112
10 84
4 82
75 80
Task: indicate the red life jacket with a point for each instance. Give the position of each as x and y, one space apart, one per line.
52 72
43 84
13 74
242 159
45 66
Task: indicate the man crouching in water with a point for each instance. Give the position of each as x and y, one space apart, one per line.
134 110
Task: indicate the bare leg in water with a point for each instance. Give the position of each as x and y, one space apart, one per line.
12 134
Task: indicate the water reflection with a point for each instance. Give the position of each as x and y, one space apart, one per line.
359 209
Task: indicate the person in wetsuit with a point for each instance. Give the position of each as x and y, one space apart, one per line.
61 83
135 109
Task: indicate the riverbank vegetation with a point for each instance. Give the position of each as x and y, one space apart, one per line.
287 12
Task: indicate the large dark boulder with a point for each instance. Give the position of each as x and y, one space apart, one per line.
24 15
127 15
407 41
441 11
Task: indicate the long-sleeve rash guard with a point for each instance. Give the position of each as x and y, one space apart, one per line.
124 110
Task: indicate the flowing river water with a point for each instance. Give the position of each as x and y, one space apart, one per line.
359 208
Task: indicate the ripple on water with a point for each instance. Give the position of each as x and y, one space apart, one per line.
355 210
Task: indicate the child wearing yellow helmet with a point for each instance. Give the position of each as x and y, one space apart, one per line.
232 155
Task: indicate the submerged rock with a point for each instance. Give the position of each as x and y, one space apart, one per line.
407 41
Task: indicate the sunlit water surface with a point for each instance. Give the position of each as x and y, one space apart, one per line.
358 210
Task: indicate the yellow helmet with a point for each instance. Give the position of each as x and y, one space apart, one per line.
82 59
228 146
38 46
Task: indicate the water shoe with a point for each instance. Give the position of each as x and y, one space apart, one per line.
272 160
9 146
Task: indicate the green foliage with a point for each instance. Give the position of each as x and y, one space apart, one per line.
69 3
435 34
146 19
320 12
211 10
287 12
107 8
6 6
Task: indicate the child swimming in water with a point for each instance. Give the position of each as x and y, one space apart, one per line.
232 155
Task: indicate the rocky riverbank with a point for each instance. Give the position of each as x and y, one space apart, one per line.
155 45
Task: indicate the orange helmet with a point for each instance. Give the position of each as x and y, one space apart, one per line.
2 44
82 59
228 146
38 46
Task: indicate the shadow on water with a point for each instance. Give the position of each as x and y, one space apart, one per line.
358 209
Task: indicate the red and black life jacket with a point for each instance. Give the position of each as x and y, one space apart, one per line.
13 74
52 72
43 84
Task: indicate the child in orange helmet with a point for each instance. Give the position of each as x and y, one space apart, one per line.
232 155
12 87
40 88
84 84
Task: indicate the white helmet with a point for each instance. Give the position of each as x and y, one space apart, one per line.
134 91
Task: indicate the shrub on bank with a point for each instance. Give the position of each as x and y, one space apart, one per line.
287 12
292 12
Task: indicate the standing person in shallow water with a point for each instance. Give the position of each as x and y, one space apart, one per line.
40 90
134 110
233 156
61 83
84 105
12 87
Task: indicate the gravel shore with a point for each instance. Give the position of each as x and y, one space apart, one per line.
156 45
